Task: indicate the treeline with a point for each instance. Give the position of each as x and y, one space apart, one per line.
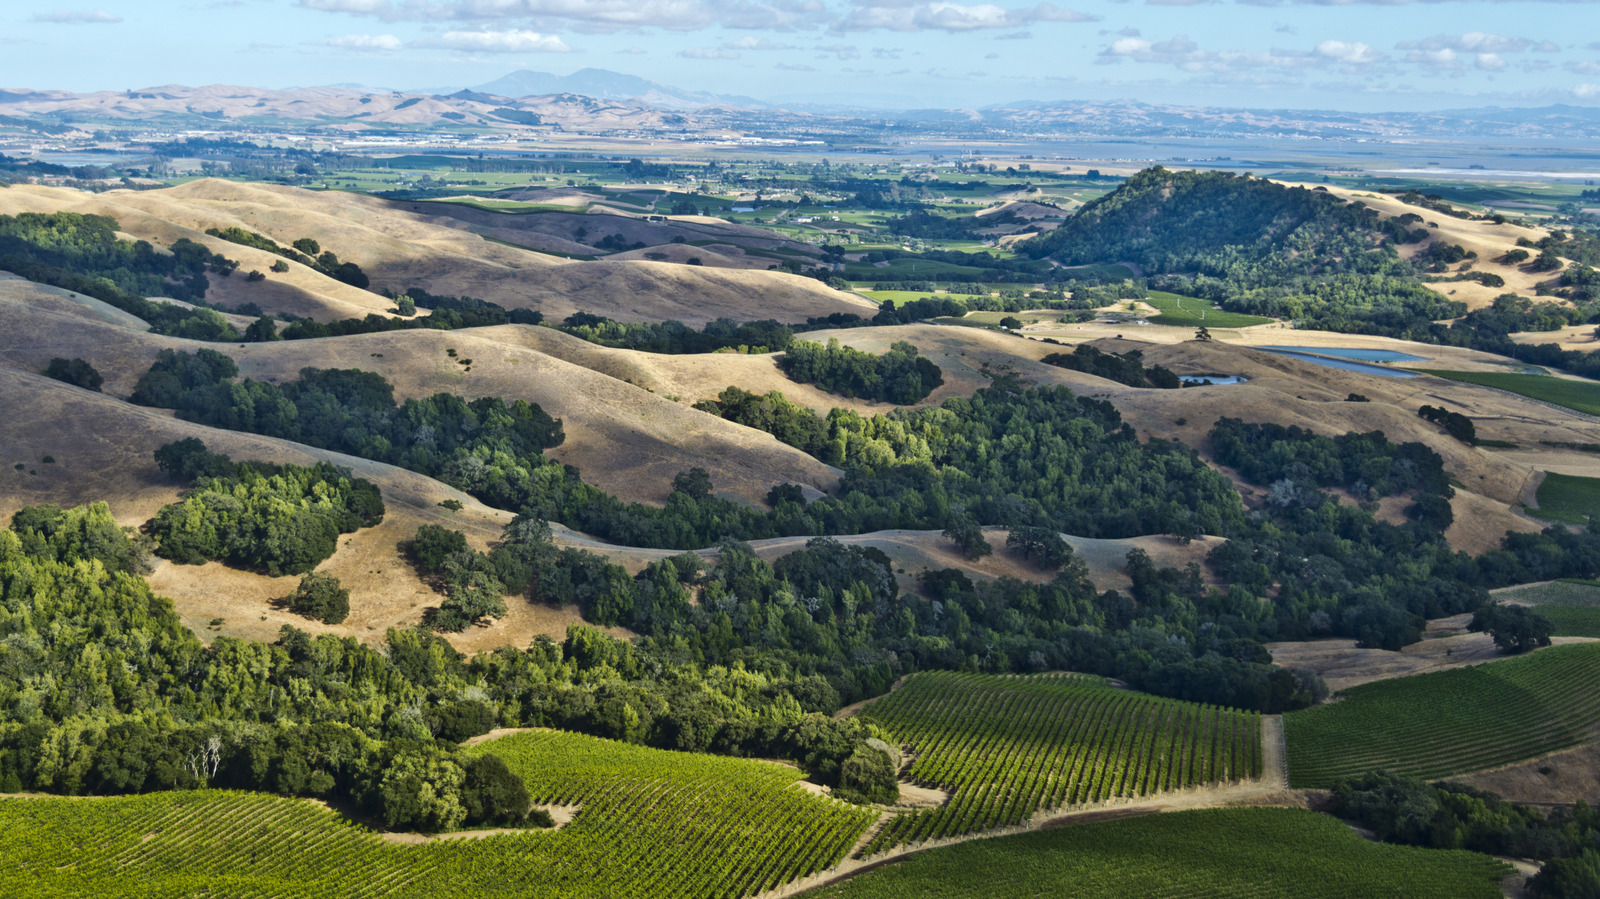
899 376
447 313
82 253
305 251
95 661
1070 462
676 337
275 519
1408 811
836 611
1124 368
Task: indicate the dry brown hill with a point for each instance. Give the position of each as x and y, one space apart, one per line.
401 245
623 438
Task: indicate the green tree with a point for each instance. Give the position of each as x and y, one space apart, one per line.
321 596
76 372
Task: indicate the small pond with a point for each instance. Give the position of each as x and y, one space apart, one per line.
1349 353
1203 380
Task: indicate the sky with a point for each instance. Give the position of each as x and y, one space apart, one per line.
1362 55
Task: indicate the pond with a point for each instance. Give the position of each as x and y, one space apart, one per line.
1361 367
1350 353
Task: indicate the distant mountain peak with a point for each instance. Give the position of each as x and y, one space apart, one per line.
604 84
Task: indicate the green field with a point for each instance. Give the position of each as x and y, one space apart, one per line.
1261 853
1568 498
652 824
1573 607
1583 396
1451 722
1006 747
1191 312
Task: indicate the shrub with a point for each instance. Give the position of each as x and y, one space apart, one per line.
75 372
320 596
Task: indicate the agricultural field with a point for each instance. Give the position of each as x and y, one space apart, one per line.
1573 607
1261 853
1450 722
1007 747
651 824
1191 312
1568 498
1582 396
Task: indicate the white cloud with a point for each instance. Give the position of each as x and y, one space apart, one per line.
1477 42
942 15
1489 62
1587 90
514 41
1587 67
76 17
1352 54
593 15
366 42
839 51
708 53
1016 36
750 42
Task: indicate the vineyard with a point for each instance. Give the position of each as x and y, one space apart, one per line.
1006 747
1450 722
1573 607
1252 853
652 824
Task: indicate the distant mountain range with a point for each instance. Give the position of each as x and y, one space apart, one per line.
601 101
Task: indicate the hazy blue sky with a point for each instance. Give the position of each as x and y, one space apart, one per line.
1347 54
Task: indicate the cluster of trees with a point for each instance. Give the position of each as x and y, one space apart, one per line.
676 337
1513 628
305 251
76 372
448 313
1124 368
105 691
899 376
1367 465
353 412
279 519
1454 423
1409 811
82 253
932 226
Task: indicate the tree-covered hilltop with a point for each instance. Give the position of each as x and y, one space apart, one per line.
1255 246
278 519
82 253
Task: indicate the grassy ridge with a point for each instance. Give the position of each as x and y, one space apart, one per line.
1568 498
1005 747
1582 396
1450 722
1191 312
653 824
1262 853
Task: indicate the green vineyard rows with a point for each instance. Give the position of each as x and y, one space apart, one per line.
1006 747
1247 853
1450 722
653 824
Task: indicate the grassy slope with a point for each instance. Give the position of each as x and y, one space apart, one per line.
1452 722
1265 852
1583 396
1568 498
1192 312
1573 607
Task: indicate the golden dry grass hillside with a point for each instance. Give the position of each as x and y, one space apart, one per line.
1485 238
403 245
624 439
